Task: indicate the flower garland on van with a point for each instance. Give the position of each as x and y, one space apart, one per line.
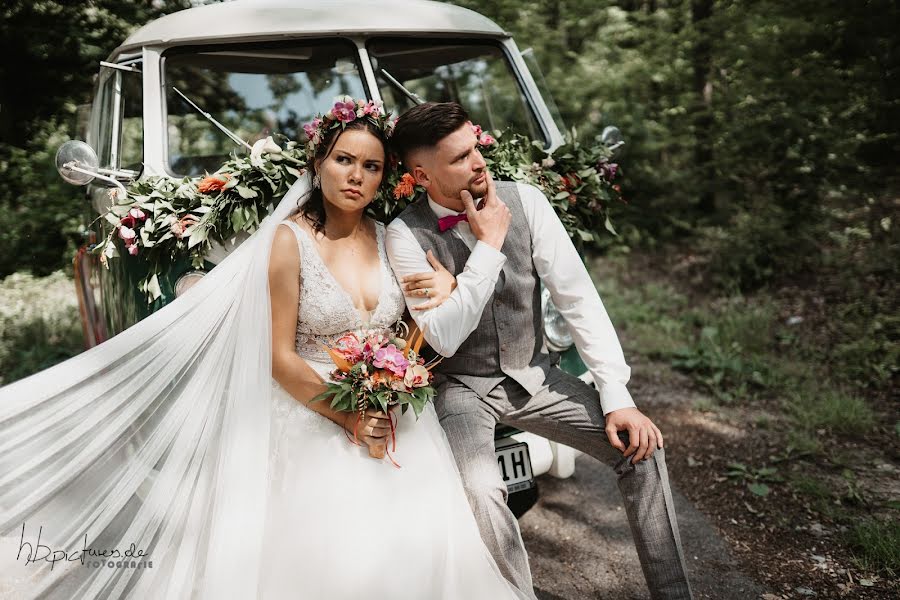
161 220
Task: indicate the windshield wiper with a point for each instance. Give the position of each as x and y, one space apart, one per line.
412 96
233 137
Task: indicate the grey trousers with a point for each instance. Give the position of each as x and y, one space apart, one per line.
565 410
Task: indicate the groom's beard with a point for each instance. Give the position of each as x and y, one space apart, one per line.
477 190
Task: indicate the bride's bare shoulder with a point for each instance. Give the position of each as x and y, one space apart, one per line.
285 255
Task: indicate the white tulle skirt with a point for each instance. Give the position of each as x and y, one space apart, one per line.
343 525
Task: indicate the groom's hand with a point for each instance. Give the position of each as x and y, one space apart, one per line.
491 223
644 437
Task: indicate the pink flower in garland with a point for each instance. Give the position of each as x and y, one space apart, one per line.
390 358
137 213
127 234
312 128
486 139
344 110
476 129
372 108
133 249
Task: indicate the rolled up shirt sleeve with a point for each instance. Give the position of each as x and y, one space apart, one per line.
446 326
573 292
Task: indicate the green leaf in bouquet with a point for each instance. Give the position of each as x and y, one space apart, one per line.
418 405
323 396
337 403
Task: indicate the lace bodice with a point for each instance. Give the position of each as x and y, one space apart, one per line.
326 310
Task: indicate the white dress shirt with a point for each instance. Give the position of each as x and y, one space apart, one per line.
559 267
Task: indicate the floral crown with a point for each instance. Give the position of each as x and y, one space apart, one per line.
346 110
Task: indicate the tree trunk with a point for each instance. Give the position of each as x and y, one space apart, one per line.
701 11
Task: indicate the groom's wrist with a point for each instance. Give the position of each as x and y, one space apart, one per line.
486 259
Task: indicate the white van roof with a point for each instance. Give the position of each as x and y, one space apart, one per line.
248 20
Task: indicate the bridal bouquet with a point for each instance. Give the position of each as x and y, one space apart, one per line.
378 369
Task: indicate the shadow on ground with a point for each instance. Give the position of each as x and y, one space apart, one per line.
581 547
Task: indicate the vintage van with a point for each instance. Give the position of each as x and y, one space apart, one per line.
259 67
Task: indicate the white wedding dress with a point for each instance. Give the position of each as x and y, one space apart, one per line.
173 438
342 525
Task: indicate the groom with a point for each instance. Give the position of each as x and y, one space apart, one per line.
496 366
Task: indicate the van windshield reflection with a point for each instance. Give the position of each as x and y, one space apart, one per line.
478 75
254 90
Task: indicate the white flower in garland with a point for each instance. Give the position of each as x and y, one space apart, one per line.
260 147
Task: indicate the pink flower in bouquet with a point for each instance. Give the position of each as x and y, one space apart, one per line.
390 358
344 110
486 139
476 129
133 249
128 221
416 376
349 347
374 341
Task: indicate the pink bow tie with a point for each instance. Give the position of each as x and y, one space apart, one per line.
449 222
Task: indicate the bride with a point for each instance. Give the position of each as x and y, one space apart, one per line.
183 459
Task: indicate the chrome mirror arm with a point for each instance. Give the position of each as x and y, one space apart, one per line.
71 165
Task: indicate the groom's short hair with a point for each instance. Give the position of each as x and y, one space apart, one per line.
425 125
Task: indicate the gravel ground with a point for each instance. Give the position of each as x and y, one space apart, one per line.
581 548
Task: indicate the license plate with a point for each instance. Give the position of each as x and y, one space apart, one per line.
515 467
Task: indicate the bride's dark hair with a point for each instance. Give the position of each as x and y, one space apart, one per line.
314 208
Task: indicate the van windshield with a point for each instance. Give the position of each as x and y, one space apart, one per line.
254 90
475 74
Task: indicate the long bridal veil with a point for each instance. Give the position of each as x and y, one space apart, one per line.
139 467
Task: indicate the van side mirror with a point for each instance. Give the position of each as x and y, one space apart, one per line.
612 138
78 164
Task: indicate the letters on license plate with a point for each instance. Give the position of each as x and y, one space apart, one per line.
515 467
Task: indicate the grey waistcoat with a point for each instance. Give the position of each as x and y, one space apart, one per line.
508 340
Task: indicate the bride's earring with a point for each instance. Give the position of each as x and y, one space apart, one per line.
317 181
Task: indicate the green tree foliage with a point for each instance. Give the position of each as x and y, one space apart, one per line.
50 53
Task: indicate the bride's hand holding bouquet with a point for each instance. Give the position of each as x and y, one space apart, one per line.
377 371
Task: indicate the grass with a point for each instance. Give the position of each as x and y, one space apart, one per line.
39 324
831 409
737 348
876 545
742 351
